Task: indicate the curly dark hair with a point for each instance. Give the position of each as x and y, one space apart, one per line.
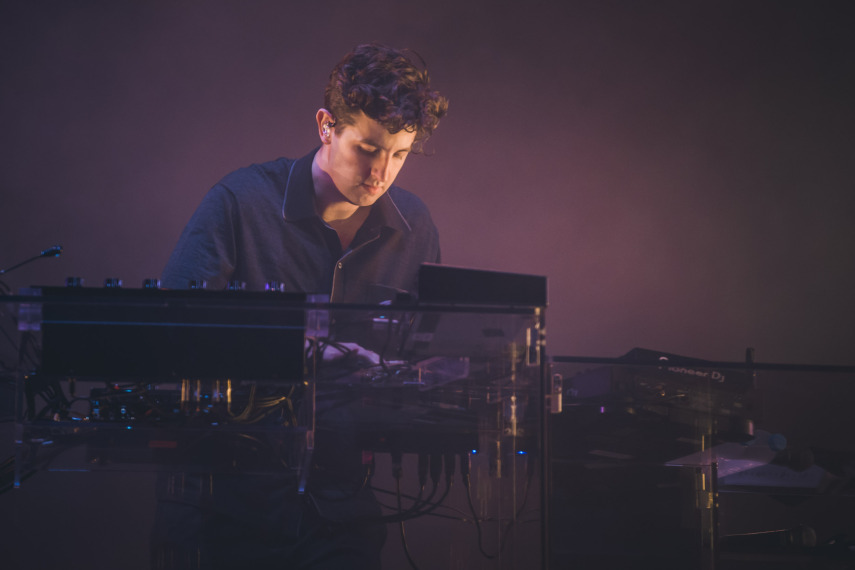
386 85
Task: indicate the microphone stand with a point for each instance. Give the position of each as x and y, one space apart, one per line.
54 251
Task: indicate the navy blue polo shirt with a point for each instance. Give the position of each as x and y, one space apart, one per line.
259 224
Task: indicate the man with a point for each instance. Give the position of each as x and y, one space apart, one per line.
332 221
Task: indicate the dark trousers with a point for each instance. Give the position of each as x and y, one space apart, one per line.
225 521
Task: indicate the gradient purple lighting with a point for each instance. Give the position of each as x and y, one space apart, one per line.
680 173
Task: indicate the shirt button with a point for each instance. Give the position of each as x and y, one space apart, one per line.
340 265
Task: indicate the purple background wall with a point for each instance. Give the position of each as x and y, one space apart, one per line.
681 171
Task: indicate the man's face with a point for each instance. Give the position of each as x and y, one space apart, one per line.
364 158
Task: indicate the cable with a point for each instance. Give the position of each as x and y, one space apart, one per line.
503 535
401 526
420 508
467 486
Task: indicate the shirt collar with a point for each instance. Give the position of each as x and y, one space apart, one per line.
299 202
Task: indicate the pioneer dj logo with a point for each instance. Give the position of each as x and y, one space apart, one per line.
714 375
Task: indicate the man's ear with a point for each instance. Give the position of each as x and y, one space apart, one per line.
325 122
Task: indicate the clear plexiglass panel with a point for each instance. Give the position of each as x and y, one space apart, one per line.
196 429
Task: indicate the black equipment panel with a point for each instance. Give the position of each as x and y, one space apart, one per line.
147 333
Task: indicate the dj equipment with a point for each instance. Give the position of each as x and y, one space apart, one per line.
465 286
453 387
256 383
155 333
